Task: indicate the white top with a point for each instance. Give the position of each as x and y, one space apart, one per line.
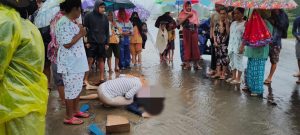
123 86
235 38
46 13
69 60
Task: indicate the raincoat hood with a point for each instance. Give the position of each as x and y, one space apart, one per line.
98 3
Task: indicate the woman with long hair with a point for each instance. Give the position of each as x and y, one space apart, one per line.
136 39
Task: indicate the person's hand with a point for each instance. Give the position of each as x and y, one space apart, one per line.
241 50
82 31
189 15
106 47
87 45
216 44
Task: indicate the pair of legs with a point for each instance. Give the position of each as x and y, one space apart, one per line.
57 77
137 58
220 72
236 64
236 76
196 65
47 71
101 68
116 64
171 54
297 48
274 59
191 49
113 49
73 87
136 52
213 63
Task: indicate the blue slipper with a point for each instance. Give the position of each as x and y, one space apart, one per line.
93 128
84 108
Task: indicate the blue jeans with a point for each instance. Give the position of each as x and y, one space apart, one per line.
124 54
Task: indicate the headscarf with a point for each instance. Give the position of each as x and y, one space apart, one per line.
194 19
120 19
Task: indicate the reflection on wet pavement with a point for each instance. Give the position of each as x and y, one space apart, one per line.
198 105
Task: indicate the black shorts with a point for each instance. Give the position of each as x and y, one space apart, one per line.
113 48
45 32
96 51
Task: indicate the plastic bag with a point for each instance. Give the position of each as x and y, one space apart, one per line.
23 86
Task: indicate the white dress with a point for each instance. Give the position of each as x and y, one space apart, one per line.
235 41
71 62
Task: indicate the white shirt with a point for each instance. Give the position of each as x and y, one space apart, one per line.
69 60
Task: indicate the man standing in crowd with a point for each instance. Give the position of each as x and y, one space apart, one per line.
296 33
97 26
280 22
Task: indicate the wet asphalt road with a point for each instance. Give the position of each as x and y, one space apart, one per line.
198 105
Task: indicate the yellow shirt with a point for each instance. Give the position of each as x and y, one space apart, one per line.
171 35
136 37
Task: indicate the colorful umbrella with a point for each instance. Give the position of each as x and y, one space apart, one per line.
143 13
116 4
259 4
87 4
175 2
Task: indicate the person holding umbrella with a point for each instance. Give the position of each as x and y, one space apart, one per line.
188 18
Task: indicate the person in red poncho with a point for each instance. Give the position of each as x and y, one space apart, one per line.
256 38
188 18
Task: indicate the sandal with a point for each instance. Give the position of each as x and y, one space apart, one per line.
255 95
82 115
215 76
73 121
95 130
186 67
229 80
110 71
84 108
197 67
222 77
235 82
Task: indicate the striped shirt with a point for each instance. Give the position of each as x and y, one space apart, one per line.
123 86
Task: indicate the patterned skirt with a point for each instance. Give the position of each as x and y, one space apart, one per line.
73 84
255 75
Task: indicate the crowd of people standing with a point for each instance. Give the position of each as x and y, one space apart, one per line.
73 43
